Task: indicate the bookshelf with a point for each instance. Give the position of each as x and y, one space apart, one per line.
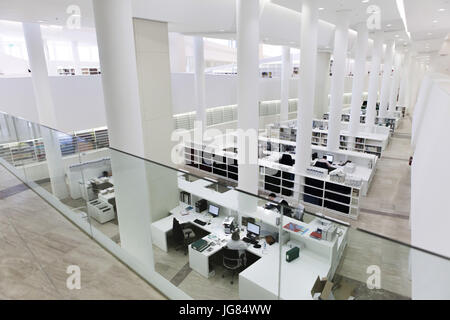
319 193
223 164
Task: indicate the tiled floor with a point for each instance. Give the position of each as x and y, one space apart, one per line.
385 209
37 244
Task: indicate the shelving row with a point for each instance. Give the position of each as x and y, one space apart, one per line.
316 192
219 164
320 193
32 150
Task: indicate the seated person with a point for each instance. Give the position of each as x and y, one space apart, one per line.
284 207
237 244
324 164
273 203
277 203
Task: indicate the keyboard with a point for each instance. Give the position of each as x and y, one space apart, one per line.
248 240
200 222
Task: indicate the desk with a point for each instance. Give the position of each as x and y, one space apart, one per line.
199 261
161 228
260 280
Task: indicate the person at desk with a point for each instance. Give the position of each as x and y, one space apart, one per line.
237 244
279 204
324 164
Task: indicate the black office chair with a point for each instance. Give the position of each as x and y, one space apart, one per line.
232 261
183 236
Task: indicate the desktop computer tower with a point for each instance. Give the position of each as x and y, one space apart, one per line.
201 205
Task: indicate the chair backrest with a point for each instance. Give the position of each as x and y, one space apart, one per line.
231 259
320 164
177 231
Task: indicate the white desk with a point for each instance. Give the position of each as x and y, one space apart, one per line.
162 227
260 280
199 261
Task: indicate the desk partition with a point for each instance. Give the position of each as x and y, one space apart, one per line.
289 253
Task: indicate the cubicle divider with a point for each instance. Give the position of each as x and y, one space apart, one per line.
173 227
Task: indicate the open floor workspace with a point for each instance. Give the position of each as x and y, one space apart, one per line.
224 150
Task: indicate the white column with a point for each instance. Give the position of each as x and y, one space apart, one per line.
374 80
306 90
358 79
322 86
135 64
286 74
45 107
395 83
76 57
199 76
386 84
337 81
404 79
247 96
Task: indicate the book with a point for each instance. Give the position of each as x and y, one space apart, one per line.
295 227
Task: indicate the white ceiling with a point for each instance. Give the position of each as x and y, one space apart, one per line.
280 19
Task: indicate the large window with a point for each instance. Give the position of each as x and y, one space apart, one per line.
88 53
16 49
59 51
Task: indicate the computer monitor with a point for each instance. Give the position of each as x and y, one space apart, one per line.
253 228
213 210
330 158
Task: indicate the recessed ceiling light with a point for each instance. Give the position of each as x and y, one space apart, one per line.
389 25
320 9
441 9
435 21
365 1
397 36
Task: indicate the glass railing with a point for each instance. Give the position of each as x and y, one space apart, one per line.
194 237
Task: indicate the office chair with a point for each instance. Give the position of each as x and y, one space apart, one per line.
232 261
182 236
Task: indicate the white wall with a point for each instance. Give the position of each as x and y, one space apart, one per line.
78 101
80 105
430 209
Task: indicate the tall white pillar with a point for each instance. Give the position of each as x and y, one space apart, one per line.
76 58
358 79
247 24
306 90
404 79
199 76
337 81
133 53
386 84
322 86
395 83
374 81
286 74
45 107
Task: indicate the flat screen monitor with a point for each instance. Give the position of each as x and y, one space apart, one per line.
213 210
253 228
330 158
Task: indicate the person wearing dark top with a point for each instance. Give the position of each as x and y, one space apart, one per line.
324 164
